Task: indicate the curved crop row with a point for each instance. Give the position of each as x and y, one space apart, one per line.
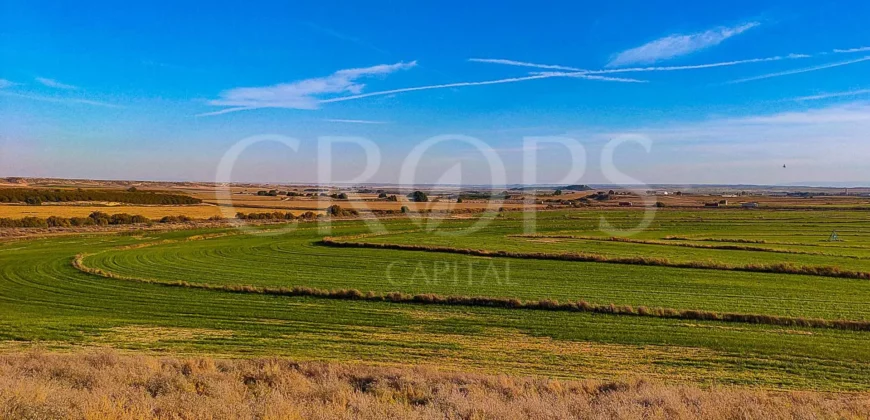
674 242
778 268
497 302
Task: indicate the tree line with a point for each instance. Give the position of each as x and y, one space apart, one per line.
96 218
132 196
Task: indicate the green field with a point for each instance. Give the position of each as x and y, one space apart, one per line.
43 298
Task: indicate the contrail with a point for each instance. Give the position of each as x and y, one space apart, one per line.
798 71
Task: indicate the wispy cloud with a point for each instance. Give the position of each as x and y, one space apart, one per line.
852 50
833 95
288 96
677 45
54 84
59 100
303 94
339 120
6 83
798 71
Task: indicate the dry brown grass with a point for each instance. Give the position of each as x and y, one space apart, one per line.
102 384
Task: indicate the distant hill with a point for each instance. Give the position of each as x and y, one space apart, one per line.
565 188
583 187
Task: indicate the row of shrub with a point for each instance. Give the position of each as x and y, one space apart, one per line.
780 268
406 209
332 211
503 302
132 196
96 218
737 240
277 215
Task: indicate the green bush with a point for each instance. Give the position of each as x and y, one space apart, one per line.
418 196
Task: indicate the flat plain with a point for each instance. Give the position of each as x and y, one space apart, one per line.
141 291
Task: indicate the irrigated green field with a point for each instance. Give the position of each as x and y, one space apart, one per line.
126 291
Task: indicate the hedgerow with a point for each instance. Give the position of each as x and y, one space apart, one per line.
94 219
37 196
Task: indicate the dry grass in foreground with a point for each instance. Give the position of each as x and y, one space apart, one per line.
106 385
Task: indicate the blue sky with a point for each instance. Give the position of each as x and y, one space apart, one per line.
727 93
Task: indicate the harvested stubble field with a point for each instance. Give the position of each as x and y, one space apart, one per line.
221 292
14 211
195 211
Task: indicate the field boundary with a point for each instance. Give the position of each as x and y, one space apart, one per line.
491 302
778 268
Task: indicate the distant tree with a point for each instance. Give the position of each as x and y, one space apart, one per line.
405 209
558 192
418 196
132 189
392 198
382 195
459 200
342 196
100 218
659 204
33 201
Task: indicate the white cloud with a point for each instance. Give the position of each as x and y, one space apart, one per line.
339 120
303 94
803 70
6 83
54 84
833 95
852 50
677 45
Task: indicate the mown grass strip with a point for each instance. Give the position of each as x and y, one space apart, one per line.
496 302
778 268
